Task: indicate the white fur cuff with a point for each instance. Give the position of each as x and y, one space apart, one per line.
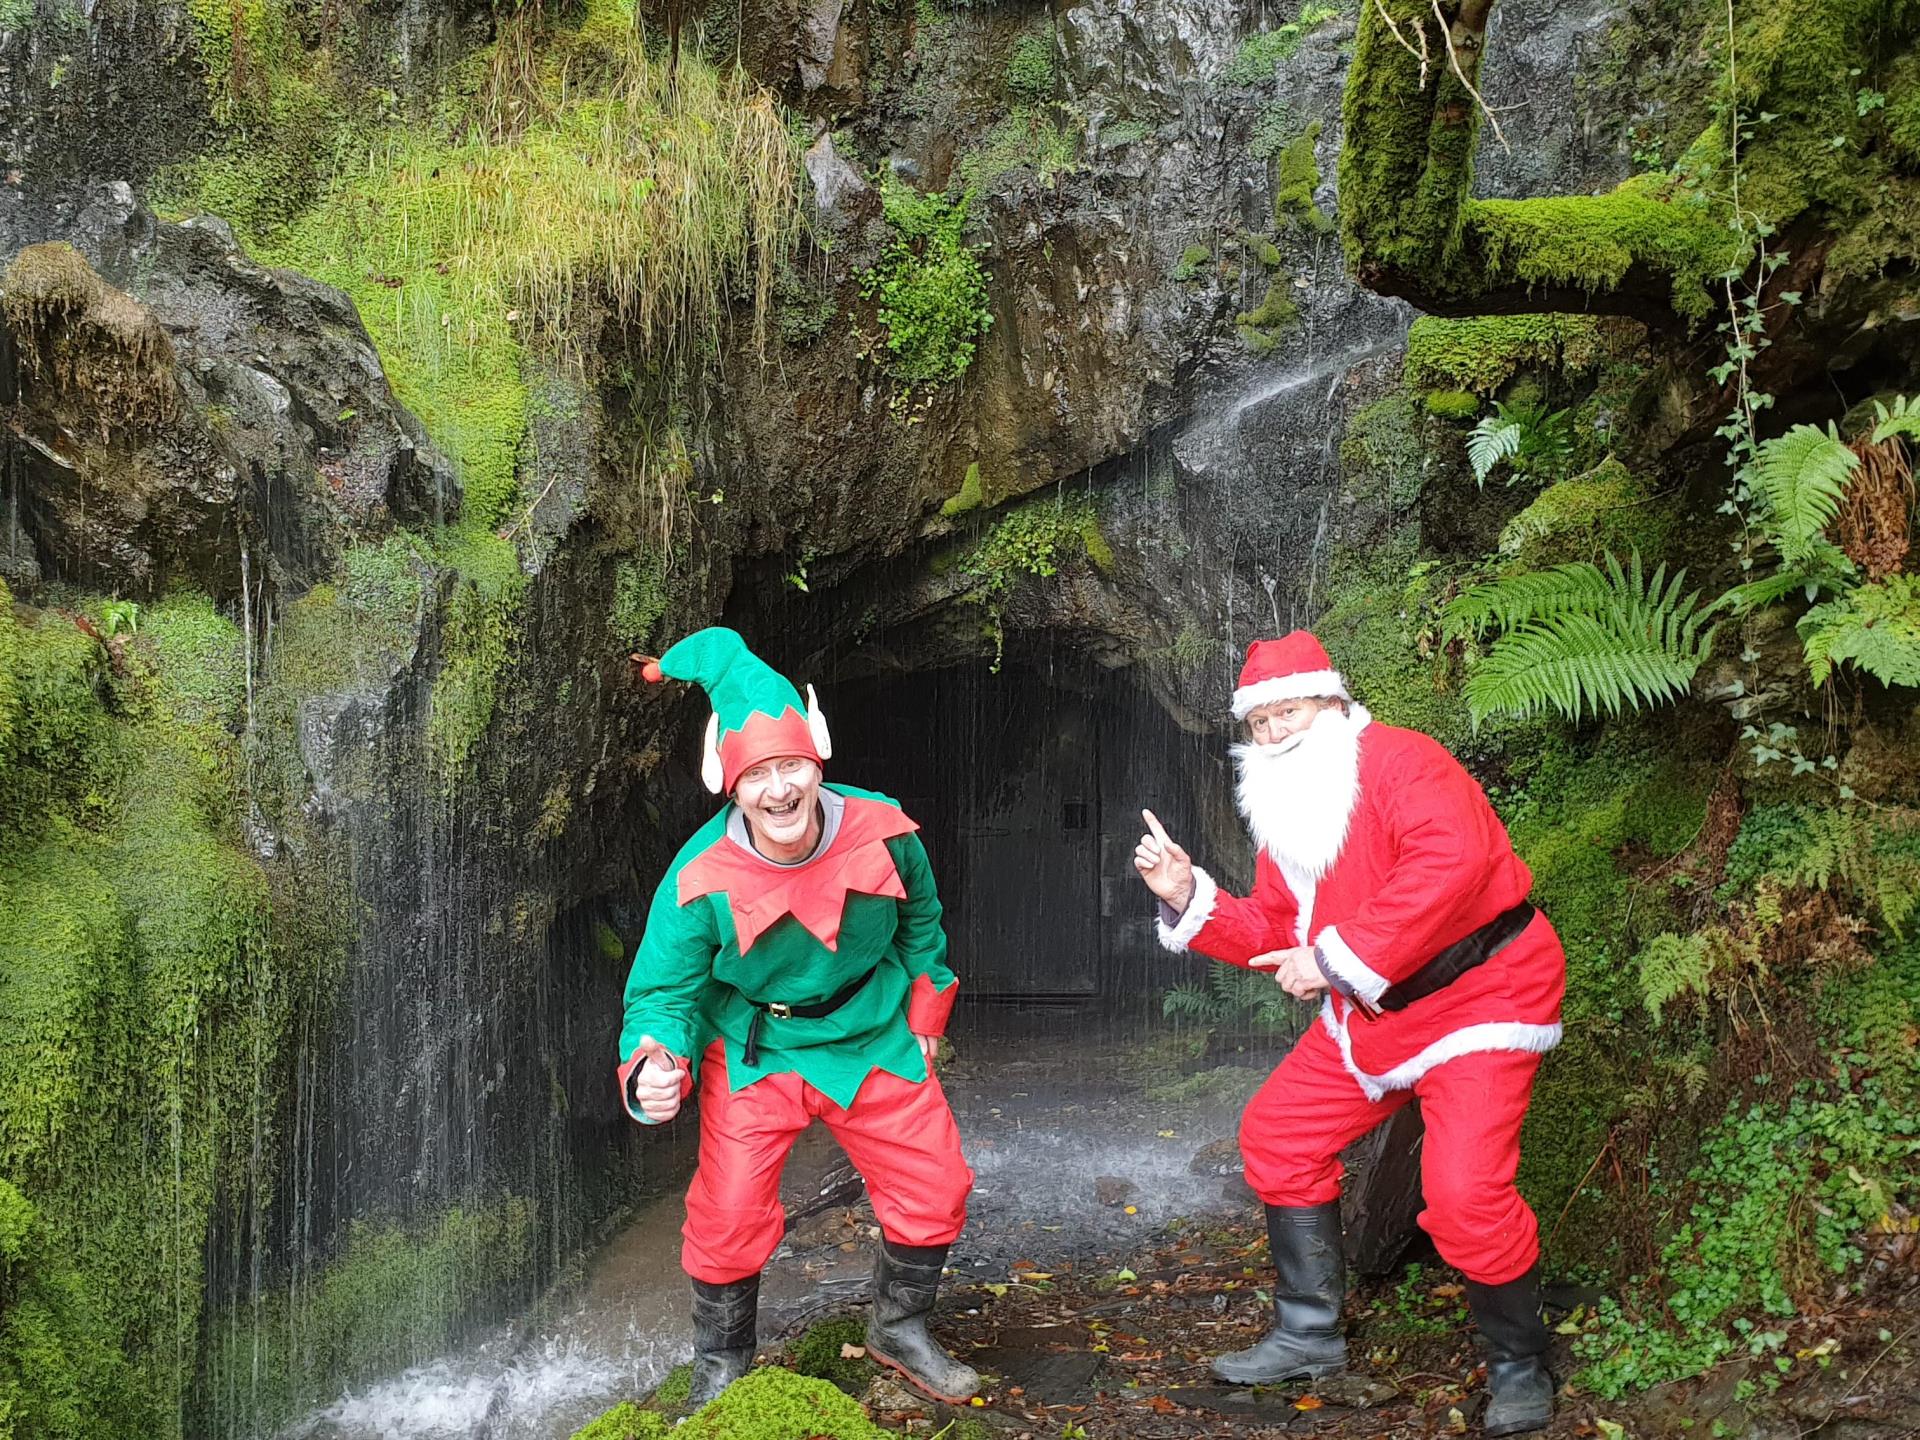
1179 935
1369 984
1307 685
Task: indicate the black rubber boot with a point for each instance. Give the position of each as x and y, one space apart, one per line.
1310 1284
906 1278
725 1335
1519 1388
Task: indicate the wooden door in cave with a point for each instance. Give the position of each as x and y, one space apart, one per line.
1002 774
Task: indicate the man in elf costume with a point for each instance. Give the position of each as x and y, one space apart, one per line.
794 964
1386 884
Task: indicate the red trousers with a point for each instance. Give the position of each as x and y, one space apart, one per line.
1310 1109
900 1136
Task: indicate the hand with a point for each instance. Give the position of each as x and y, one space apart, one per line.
1164 865
657 1081
1295 970
929 1047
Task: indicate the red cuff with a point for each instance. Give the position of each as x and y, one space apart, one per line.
928 1009
626 1084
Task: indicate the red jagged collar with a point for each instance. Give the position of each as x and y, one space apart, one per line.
816 893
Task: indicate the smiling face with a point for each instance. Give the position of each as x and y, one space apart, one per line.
781 801
1280 720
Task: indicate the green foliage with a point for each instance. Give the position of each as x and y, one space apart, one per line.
1260 327
1031 137
387 582
1234 998
805 305
1799 480
479 630
61 1377
1122 133
1482 352
817 1353
1272 128
626 1421
1192 261
1030 69
1870 858
1529 438
930 287
1580 640
676 1388
1876 626
1034 540
1451 404
639 596
1253 62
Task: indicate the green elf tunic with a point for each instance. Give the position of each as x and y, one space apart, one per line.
729 927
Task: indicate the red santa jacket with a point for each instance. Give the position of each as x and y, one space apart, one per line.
1425 862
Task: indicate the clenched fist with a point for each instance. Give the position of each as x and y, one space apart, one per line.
657 1081
1163 864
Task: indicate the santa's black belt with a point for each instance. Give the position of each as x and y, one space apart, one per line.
1466 953
816 1011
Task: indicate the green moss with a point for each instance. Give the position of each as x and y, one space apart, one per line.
607 943
200 662
677 1386
1122 133
1276 311
1607 510
1192 260
1253 62
640 597
774 1404
970 495
1451 404
626 1421
817 1353
1034 540
1483 352
1378 631
1030 138
481 624
1383 456
386 582
1296 177
1030 69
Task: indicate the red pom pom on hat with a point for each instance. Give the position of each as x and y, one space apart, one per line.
1294 667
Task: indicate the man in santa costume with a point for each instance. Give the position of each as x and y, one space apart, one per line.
1386 884
795 966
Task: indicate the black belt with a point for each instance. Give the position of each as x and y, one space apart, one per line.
1458 958
818 1010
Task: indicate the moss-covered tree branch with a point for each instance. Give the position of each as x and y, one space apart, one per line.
1413 229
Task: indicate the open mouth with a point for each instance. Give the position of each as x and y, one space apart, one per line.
782 812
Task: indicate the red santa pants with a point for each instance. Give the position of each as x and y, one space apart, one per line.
1311 1108
899 1135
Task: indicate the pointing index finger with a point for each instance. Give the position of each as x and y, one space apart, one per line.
1153 824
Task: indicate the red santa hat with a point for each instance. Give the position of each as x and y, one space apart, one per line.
1294 667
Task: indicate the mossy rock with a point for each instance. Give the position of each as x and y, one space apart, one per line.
626 1421
1609 510
1452 404
1482 352
675 1387
775 1404
817 1353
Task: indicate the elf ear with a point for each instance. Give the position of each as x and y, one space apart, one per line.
712 773
817 726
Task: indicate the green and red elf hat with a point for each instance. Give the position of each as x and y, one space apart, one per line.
758 715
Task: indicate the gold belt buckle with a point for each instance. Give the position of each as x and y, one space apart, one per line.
779 1011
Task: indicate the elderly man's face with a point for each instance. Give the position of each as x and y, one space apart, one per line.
779 799
1280 719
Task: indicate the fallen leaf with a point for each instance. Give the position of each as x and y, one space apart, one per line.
1037 1275
1168 1134
1456 1422
995 1289
1308 1402
1161 1405
1611 1429
1448 1292
852 1352
1133 1209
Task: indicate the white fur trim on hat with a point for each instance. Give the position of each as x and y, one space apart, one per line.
712 773
1179 935
1306 685
817 726
1360 977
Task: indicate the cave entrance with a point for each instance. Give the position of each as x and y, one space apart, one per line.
1028 793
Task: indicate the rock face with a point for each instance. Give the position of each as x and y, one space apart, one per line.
1173 356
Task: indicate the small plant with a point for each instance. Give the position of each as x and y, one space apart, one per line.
1030 69
1530 438
119 617
1193 259
1253 62
930 285
1233 997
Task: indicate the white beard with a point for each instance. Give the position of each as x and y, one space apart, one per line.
1297 796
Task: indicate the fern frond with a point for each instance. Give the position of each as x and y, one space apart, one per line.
1190 1001
1492 440
1580 665
1801 478
1672 966
1876 626
1516 599
1903 419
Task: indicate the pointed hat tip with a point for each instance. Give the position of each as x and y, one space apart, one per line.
649 668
